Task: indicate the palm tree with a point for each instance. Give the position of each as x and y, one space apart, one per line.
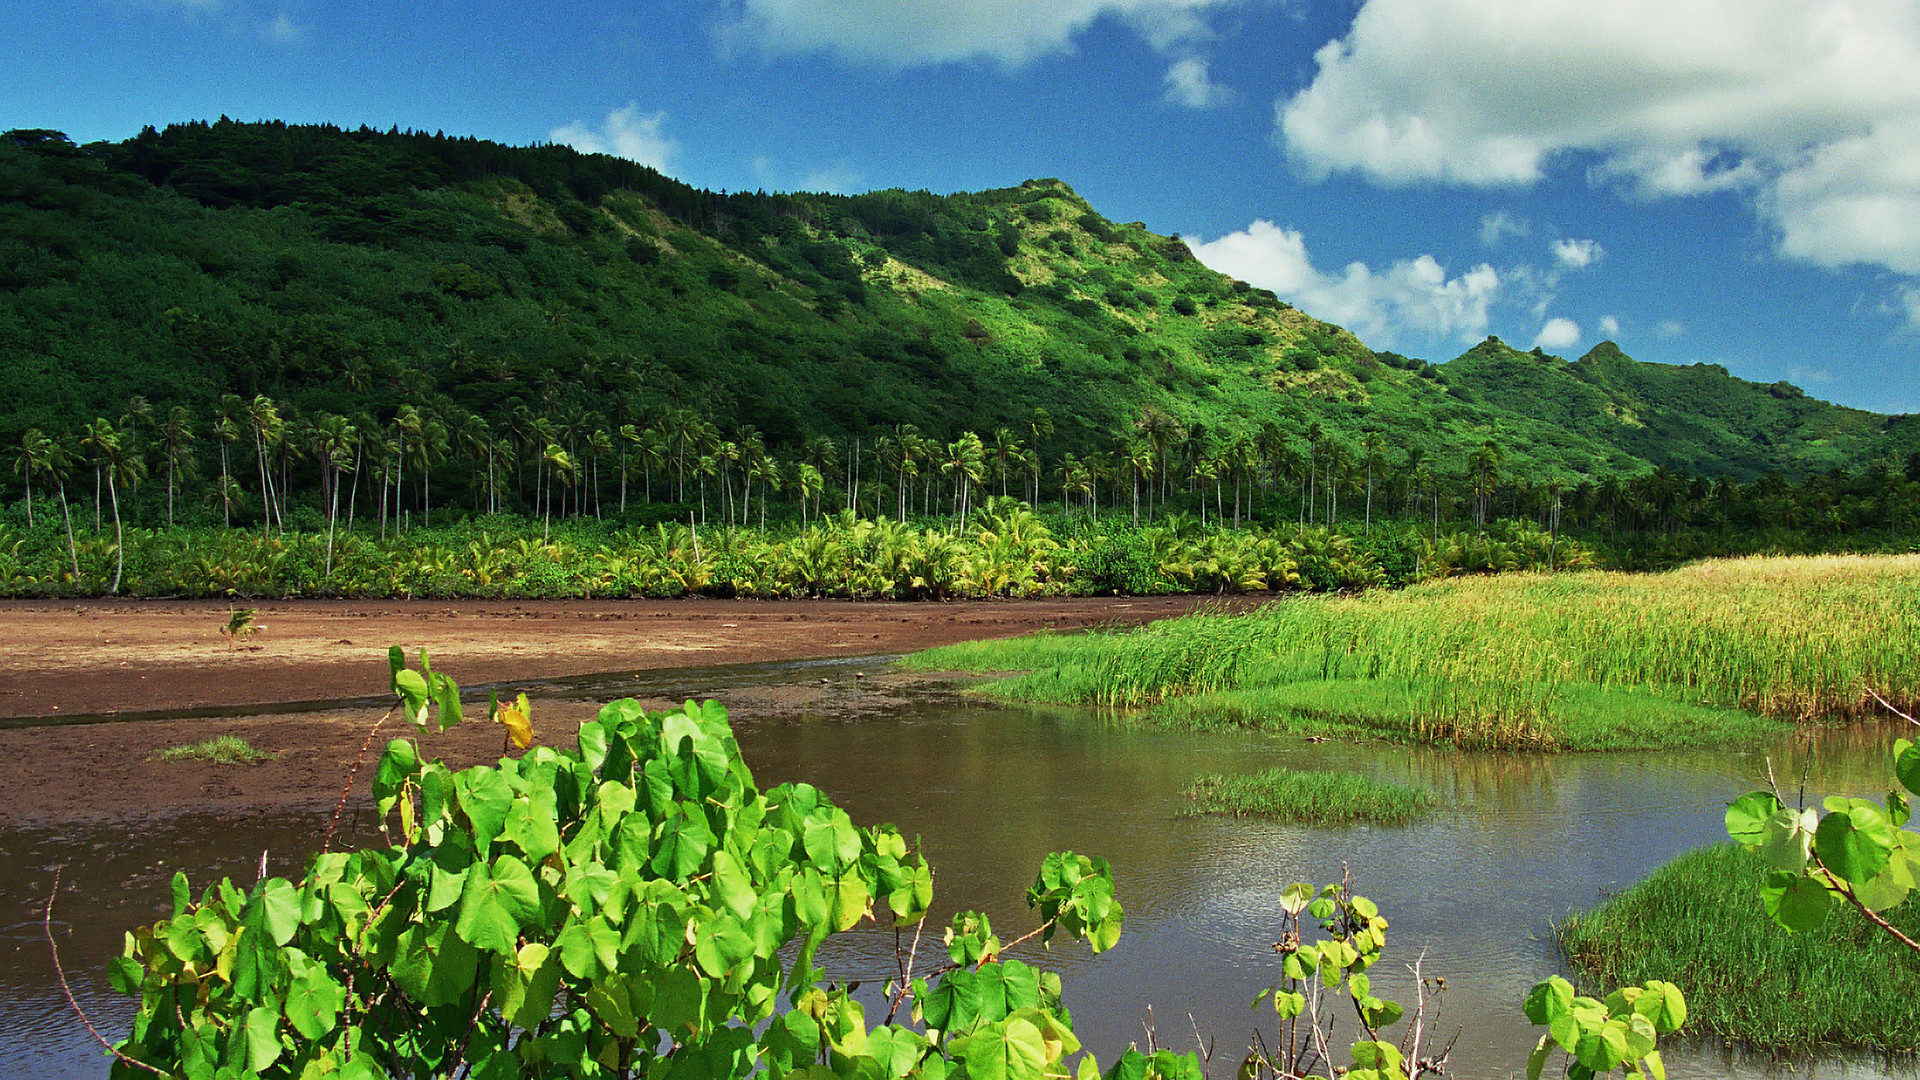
56 467
114 456
1137 456
35 456
966 461
335 442
177 436
1041 425
1372 445
262 417
630 437
562 469
1484 462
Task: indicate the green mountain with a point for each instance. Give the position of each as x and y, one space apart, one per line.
350 271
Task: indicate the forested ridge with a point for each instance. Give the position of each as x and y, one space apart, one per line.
353 271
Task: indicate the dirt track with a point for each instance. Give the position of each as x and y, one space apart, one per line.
100 657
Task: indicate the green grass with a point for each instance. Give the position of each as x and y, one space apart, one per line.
1697 923
219 750
1723 651
1309 797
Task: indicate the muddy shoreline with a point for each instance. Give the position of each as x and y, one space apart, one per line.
103 657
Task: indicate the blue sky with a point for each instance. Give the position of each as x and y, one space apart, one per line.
1723 181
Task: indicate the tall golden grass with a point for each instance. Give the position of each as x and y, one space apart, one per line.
1494 658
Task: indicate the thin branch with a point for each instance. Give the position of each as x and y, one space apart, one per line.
1888 705
46 924
351 773
1873 917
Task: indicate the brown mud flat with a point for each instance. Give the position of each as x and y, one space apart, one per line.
66 659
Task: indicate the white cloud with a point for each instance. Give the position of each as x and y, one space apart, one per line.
628 133
1668 328
1810 375
909 33
840 179
1812 107
1412 298
1609 326
281 28
1499 225
1576 254
1189 83
1557 334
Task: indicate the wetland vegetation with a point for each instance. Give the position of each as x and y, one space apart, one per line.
1718 651
1309 797
1698 922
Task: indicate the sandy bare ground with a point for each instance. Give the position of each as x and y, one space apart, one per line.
62 660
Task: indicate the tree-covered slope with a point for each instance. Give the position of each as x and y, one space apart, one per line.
349 271
1697 418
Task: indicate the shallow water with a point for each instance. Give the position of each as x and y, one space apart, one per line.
992 789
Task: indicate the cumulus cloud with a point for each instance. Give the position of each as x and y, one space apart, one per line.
1413 298
910 33
1576 254
1557 334
628 133
1610 326
1811 107
1189 83
1669 328
1499 225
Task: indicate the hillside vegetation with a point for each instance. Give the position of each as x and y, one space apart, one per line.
350 272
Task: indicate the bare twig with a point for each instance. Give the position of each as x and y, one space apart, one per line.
347 791
46 923
1203 1046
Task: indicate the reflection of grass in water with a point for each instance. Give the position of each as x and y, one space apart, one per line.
1516 662
1697 923
1309 797
220 750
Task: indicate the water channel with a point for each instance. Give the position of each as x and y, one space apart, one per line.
992 788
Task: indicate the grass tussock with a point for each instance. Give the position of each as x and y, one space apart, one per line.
1309 797
1586 661
218 750
1697 922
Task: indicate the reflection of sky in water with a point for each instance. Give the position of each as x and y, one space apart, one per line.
993 789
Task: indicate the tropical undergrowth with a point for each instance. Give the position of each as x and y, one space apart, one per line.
1699 923
1004 550
1309 797
1717 651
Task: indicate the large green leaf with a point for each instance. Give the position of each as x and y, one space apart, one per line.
485 797
1855 844
433 965
314 999
1906 765
1747 816
1796 902
1010 1051
496 903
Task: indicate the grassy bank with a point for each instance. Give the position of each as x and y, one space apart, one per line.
1309 797
1697 923
1725 650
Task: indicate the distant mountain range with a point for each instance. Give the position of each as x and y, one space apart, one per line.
351 271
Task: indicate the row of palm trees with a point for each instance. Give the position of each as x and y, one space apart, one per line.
574 462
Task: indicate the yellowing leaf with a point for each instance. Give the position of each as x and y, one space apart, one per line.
517 717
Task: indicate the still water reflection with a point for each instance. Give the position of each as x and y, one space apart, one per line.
992 789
